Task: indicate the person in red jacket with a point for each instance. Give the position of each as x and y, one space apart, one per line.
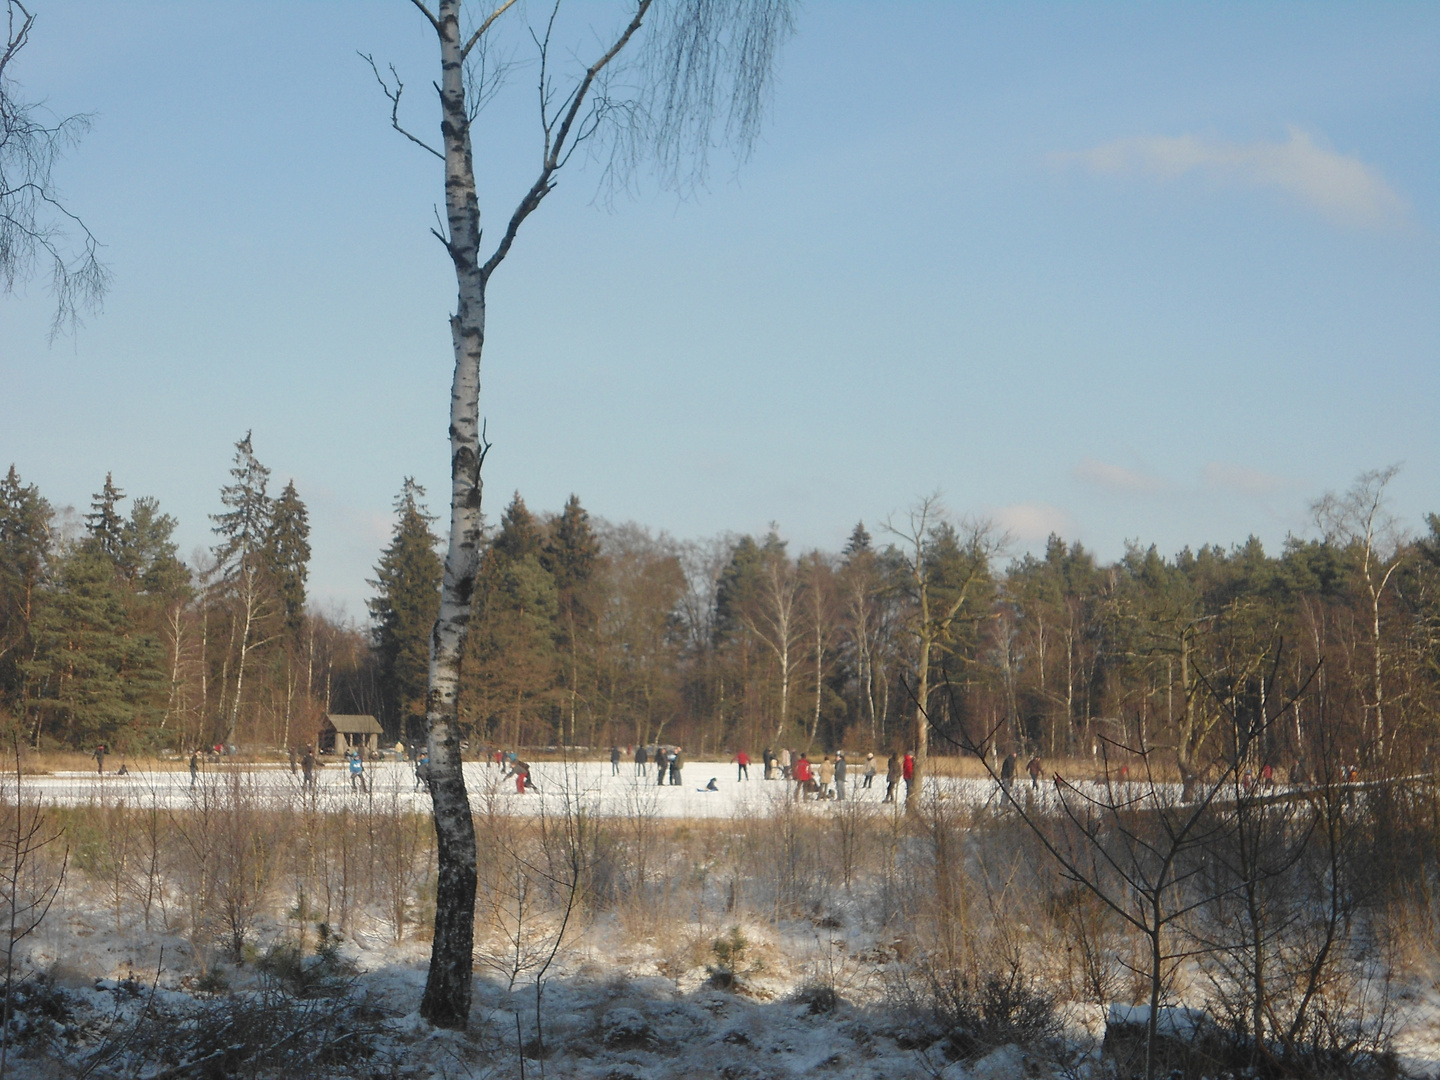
907 771
742 766
800 771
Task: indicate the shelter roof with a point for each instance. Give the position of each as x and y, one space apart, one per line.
354 725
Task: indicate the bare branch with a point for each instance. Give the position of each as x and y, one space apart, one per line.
33 220
556 148
427 13
489 19
394 97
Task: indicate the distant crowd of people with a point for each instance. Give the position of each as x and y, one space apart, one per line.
827 777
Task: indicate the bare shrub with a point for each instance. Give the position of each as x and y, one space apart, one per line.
30 879
976 1010
268 1033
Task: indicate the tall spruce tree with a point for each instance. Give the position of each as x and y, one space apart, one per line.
407 584
569 554
519 534
244 524
508 683
244 582
104 521
287 553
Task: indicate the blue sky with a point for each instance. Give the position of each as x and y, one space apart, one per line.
1117 270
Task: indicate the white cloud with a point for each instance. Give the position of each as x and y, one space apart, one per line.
1241 480
1117 478
1340 187
1035 521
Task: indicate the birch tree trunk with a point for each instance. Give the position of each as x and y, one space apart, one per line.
248 600
175 624
446 1002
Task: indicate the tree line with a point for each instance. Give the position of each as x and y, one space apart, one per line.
108 637
588 634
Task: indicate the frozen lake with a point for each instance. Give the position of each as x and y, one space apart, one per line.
392 784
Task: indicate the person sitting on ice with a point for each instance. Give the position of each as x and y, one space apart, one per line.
711 786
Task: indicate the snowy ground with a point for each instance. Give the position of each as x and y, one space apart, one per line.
589 782
809 1001
621 1002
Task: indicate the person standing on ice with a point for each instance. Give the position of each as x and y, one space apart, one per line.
841 769
661 766
869 770
357 771
784 763
614 761
892 777
307 768
641 759
677 762
800 773
768 762
742 766
194 766
1007 772
907 770
827 773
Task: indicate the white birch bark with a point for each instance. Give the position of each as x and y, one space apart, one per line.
448 986
247 598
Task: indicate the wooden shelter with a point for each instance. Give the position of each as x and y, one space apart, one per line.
340 733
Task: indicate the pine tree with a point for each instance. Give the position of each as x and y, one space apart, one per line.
24 550
287 553
147 557
104 521
96 672
407 600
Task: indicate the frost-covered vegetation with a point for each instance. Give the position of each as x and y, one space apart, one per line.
234 934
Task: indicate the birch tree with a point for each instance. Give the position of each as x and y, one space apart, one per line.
774 617
661 85
1360 521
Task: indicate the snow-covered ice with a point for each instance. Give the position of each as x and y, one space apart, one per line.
587 784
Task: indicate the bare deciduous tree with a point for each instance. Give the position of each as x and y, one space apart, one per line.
938 593
655 89
35 224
